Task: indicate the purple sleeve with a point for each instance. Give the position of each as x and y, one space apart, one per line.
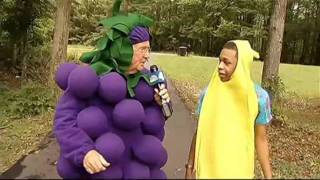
74 142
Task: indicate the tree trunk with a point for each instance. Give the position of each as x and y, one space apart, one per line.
24 49
128 6
60 40
15 54
284 54
316 43
317 61
305 55
293 52
276 29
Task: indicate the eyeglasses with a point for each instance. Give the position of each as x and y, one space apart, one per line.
144 50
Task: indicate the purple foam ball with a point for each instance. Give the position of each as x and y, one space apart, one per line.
158 174
128 114
144 92
67 170
111 172
110 146
154 120
62 74
83 82
113 87
150 151
136 170
93 121
160 135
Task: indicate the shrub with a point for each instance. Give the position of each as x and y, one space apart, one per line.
30 100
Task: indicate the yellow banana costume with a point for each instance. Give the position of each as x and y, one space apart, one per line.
225 135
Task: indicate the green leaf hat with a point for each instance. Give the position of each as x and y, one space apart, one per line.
114 51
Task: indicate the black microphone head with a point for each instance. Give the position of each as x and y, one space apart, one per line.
153 68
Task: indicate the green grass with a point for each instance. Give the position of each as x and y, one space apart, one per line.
74 51
304 80
195 69
79 48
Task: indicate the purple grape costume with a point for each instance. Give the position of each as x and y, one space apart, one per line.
104 109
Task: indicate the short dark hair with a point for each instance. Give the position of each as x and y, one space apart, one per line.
231 45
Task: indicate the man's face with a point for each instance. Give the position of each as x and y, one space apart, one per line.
227 64
141 55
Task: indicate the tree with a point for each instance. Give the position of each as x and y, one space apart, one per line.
207 25
84 27
60 38
19 27
276 29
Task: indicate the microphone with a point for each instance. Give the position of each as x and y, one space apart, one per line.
157 78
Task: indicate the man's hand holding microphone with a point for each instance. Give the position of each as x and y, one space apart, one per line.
161 93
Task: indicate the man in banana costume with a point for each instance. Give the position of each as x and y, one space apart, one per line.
234 112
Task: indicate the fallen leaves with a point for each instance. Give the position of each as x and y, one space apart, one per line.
22 137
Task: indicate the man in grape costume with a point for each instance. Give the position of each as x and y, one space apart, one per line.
108 122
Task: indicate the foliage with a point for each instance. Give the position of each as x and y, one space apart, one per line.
207 25
277 92
275 87
85 15
30 100
24 25
37 64
302 32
